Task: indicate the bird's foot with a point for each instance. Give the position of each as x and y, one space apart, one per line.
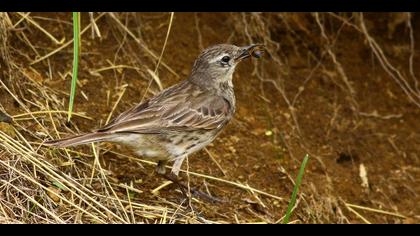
194 192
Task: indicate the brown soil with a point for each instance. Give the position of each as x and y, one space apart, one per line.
375 126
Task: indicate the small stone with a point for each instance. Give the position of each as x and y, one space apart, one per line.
268 133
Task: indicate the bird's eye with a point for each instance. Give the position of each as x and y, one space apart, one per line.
225 59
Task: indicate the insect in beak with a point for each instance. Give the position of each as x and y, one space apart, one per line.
254 50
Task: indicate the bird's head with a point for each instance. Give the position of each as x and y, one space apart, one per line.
216 64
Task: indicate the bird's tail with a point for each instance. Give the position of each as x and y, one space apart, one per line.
79 139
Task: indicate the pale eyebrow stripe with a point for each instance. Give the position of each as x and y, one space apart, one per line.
218 58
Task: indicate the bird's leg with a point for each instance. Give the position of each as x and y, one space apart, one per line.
183 187
160 168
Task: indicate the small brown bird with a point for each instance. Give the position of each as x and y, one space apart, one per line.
181 119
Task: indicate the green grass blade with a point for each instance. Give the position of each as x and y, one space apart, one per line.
295 190
76 43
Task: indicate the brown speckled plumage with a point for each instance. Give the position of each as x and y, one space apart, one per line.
181 119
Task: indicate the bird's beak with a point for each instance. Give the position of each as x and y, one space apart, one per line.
255 50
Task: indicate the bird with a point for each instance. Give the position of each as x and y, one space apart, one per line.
181 119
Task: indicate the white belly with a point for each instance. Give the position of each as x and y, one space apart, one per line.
165 146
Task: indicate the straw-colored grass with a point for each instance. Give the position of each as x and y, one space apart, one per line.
43 185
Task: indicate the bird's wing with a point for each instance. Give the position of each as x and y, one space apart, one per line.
180 107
